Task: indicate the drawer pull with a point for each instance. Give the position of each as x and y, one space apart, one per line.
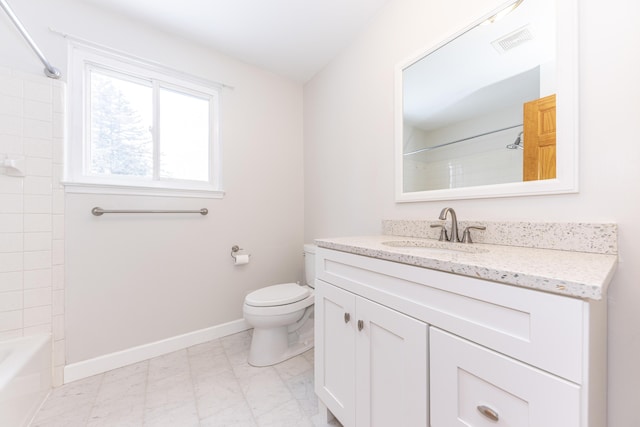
488 412
347 317
360 325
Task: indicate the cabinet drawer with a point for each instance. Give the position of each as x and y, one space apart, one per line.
474 386
538 328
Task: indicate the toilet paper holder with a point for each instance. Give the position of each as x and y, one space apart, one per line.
234 251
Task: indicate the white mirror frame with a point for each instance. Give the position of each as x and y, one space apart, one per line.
566 180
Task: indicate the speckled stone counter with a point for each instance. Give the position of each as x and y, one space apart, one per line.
576 274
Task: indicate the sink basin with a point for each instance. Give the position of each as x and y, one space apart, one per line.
435 246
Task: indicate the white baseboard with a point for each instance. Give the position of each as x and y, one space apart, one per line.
107 362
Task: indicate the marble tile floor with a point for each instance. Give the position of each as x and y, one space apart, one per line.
210 384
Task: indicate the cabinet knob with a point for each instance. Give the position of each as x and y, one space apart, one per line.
360 325
347 317
488 412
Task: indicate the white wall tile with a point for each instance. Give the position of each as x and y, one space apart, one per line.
10 185
58 327
36 223
58 125
10 301
11 86
57 150
38 147
58 202
10 203
37 242
58 99
57 276
10 125
37 185
38 278
37 297
11 281
10 105
57 256
56 175
58 376
37 166
31 112
37 330
11 223
11 242
37 204
37 260
37 129
9 335
58 227
37 110
10 262
58 353
10 320
58 302
35 316
37 91
11 144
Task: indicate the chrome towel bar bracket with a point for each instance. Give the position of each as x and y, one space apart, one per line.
97 211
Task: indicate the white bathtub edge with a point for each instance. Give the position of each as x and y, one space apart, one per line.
25 377
107 362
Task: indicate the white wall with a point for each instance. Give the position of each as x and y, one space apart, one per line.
135 280
348 113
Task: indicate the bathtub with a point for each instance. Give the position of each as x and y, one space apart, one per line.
25 378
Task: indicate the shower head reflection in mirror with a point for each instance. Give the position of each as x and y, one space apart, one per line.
518 144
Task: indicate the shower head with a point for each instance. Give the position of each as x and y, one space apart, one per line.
517 144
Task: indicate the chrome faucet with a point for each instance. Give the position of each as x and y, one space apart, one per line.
453 235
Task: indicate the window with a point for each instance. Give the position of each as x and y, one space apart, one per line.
137 128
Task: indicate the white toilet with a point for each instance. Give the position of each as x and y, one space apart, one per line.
281 316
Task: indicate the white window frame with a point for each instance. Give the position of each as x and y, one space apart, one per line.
82 59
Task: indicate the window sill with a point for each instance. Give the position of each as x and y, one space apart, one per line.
86 188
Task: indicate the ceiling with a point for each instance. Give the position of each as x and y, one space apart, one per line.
451 83
294 38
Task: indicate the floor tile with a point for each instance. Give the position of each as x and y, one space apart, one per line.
207 385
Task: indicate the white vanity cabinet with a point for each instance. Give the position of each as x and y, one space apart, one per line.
443 350
371 368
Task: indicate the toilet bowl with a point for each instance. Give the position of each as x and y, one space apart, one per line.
282 318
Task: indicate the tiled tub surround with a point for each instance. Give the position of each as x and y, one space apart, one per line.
32 210
581 272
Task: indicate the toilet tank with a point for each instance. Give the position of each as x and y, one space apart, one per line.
310 264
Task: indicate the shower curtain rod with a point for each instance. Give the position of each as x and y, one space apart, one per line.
49 70
459 140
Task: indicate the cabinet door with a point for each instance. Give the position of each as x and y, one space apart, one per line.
391 368
335 321
474 386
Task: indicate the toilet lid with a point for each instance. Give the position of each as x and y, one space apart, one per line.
286 293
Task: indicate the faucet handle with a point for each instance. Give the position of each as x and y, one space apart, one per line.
443 232
466 235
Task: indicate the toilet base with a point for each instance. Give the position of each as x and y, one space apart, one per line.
273 345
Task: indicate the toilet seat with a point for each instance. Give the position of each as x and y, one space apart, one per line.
275 295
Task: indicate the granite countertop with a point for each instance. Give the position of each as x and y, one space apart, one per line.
575 274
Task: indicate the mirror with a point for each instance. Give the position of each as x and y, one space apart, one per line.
492 111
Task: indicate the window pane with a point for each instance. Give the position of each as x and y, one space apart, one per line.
121 114
184 136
